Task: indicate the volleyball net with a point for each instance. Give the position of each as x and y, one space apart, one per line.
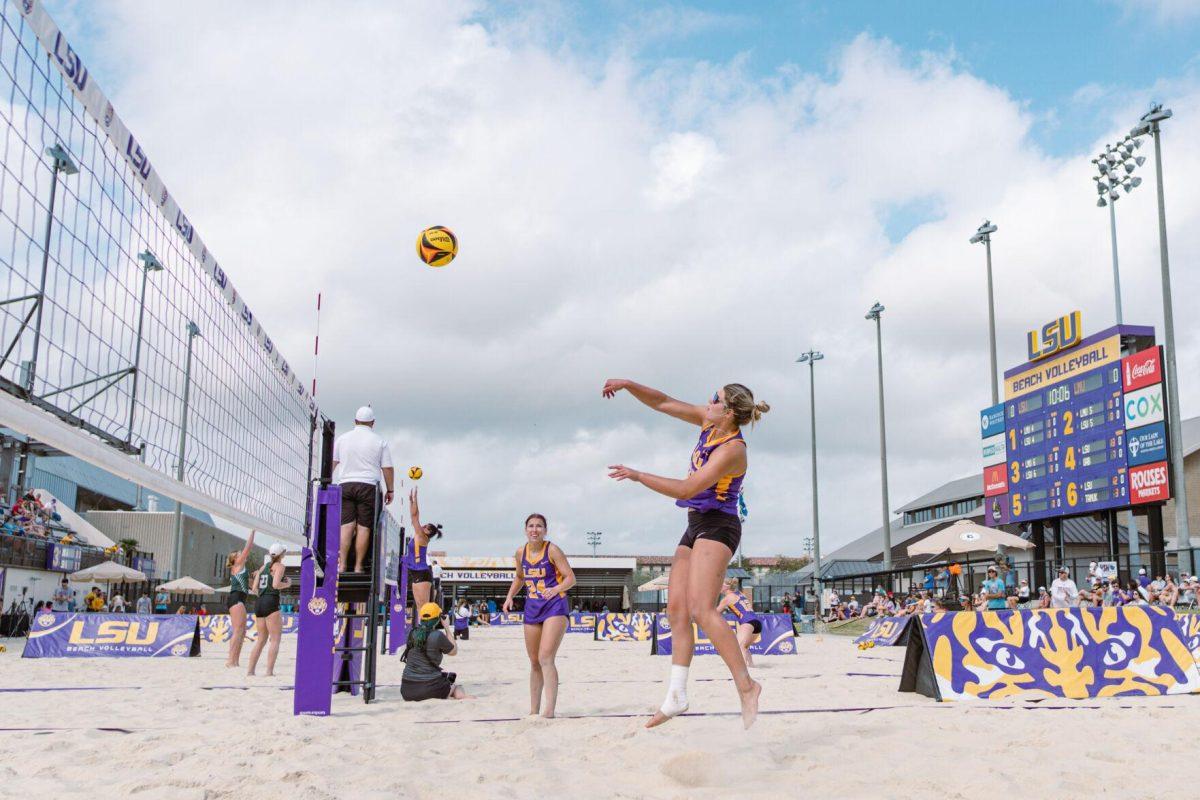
122 339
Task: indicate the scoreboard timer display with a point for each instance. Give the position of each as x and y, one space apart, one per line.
1058 444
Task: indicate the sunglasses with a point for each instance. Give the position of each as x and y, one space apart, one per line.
716 400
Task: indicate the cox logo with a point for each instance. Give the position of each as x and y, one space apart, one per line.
1144 406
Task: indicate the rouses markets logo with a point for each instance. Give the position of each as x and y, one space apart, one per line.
1148 483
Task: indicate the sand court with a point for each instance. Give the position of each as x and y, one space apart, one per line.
833 724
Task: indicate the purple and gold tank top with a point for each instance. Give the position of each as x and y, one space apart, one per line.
722 495
416 557
740 607
540 573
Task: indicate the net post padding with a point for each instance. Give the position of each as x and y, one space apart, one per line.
318 610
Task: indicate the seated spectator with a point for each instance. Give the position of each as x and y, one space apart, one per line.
1023 595
1168 595
1043 598
1138 593
853 608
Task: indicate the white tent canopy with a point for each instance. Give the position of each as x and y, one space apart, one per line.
108 572
656 585
186 585
965 536
85 531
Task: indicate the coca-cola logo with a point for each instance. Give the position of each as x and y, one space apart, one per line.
1145 369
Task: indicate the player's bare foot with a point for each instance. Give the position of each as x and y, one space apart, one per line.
668 712
749 700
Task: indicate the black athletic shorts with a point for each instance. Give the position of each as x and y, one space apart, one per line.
715 525
437 689
420 576
462 635
267 605
358 504
755 625
236 597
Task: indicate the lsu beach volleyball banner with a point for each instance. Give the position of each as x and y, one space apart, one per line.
582 623
635 627
217 629
777 636
1074 653
886 631
59 634
506 618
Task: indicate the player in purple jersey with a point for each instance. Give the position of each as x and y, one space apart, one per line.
748 623
543 570
416 554
710 494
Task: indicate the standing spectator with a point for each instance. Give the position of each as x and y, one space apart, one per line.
89 600
993 590
1063 592
363 456
143 604
942 581
62 596
73 603
161 599
117 604
462 621
435 570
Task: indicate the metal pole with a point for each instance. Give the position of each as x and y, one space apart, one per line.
177 560
887 523
1182 537
812 404
1112 223
991 327
137 354
41 296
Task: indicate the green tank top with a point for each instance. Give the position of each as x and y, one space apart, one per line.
240 581
264 583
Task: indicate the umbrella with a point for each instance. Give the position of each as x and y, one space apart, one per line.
186 585
108 572
965 536
656 585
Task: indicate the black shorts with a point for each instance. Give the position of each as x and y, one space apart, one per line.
463 634
266 605
755 625
236 597
358 504
715 525
420 576
437 689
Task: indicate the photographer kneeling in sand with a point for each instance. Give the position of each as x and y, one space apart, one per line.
423 677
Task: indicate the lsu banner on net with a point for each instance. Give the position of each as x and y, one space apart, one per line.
582 623
777 636
1075 653
60 634
217 629
635 627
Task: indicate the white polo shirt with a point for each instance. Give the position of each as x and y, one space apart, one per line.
361 454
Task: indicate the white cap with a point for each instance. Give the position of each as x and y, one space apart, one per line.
364 414
276 549
1142 571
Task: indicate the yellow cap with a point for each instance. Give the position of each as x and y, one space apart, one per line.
430 611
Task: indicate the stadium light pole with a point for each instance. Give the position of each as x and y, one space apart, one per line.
984 234
193 330
1115 168
1149 124
875 314
150 263
811 358
593 538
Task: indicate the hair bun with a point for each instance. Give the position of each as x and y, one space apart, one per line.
760 409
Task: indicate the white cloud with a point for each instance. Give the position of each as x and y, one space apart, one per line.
681 224
1163 11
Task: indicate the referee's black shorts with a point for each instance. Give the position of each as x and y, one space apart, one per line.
358 504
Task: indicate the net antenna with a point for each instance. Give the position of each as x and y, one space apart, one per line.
108 292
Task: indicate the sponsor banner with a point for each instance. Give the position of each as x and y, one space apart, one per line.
886 631
1149 483
1106 570
1075 653
1141 369
478 575
506 618
1088 355
991 421
580 622
217 628
1144 406
776 638
635 627
995 480
997 510
995 449
1147 444
58 634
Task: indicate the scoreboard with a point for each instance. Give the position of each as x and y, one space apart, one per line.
1060 443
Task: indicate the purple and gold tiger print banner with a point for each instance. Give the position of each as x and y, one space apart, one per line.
217 628
776 638
635 627
58 634
885 632
1074 653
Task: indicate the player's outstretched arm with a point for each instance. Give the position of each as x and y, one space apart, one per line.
657 400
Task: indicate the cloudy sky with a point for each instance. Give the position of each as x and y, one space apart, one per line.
685 195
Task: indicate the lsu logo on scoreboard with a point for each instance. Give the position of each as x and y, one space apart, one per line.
1058 335
116 632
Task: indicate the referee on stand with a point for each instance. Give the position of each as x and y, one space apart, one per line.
364 457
